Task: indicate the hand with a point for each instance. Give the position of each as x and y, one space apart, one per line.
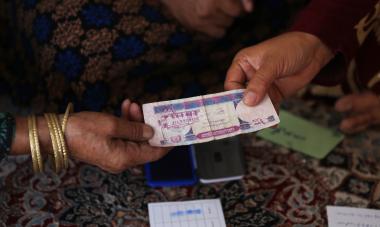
362 110
211 17
111 143
280 67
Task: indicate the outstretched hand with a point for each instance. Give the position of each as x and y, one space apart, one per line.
280 66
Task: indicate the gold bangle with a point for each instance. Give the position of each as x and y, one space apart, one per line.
69 109
31 142
57 138
57 156
36 143
61 139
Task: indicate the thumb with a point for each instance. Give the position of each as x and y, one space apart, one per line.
259 83
134 131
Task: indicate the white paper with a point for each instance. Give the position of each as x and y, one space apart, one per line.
196 213
352 217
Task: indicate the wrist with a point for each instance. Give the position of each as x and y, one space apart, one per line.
21 144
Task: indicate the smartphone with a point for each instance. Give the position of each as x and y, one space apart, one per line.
177 168
219 160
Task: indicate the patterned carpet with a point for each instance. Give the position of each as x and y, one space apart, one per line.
280 188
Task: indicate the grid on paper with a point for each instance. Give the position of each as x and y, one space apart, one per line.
197 213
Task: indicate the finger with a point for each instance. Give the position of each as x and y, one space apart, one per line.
125 154
258 85
357 102
233 8
135 113
125 106
276 96
235 78
247 5
357 123
141 153
135 131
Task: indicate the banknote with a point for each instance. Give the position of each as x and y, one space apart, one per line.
204 118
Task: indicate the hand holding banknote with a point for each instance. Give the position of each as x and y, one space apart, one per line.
280 67
111 143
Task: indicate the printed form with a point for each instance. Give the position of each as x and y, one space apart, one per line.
197 213
352 217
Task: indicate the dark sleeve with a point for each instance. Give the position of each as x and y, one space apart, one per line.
7 131
334 21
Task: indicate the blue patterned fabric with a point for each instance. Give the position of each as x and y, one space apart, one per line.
97 53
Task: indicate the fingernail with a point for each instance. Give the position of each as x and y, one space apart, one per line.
250 98
126 102
343 106
248 5
147 132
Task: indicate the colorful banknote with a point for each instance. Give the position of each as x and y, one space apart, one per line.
205 118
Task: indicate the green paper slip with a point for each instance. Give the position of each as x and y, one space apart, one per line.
303 136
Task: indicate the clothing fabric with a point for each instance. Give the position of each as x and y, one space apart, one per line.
7 130
351 29
96 53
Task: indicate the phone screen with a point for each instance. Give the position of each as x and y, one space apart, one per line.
175 169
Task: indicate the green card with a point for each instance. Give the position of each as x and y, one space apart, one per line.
303 136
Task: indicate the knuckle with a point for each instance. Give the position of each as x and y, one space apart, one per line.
135 131
201 11
241 56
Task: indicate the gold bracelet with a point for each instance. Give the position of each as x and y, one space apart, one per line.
34 144
32 148
57 155
69 109
58 139
61 139
37 144
56 128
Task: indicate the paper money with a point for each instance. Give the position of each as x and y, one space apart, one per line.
204 118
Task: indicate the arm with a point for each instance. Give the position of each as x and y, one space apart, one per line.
111 143
335 22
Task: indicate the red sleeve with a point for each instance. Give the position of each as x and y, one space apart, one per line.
334 21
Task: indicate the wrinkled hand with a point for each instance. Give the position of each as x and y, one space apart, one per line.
280 67
211 17
111 143
362 111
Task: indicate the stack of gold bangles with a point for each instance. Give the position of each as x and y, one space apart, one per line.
57 132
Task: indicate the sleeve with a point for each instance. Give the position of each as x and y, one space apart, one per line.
334 22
